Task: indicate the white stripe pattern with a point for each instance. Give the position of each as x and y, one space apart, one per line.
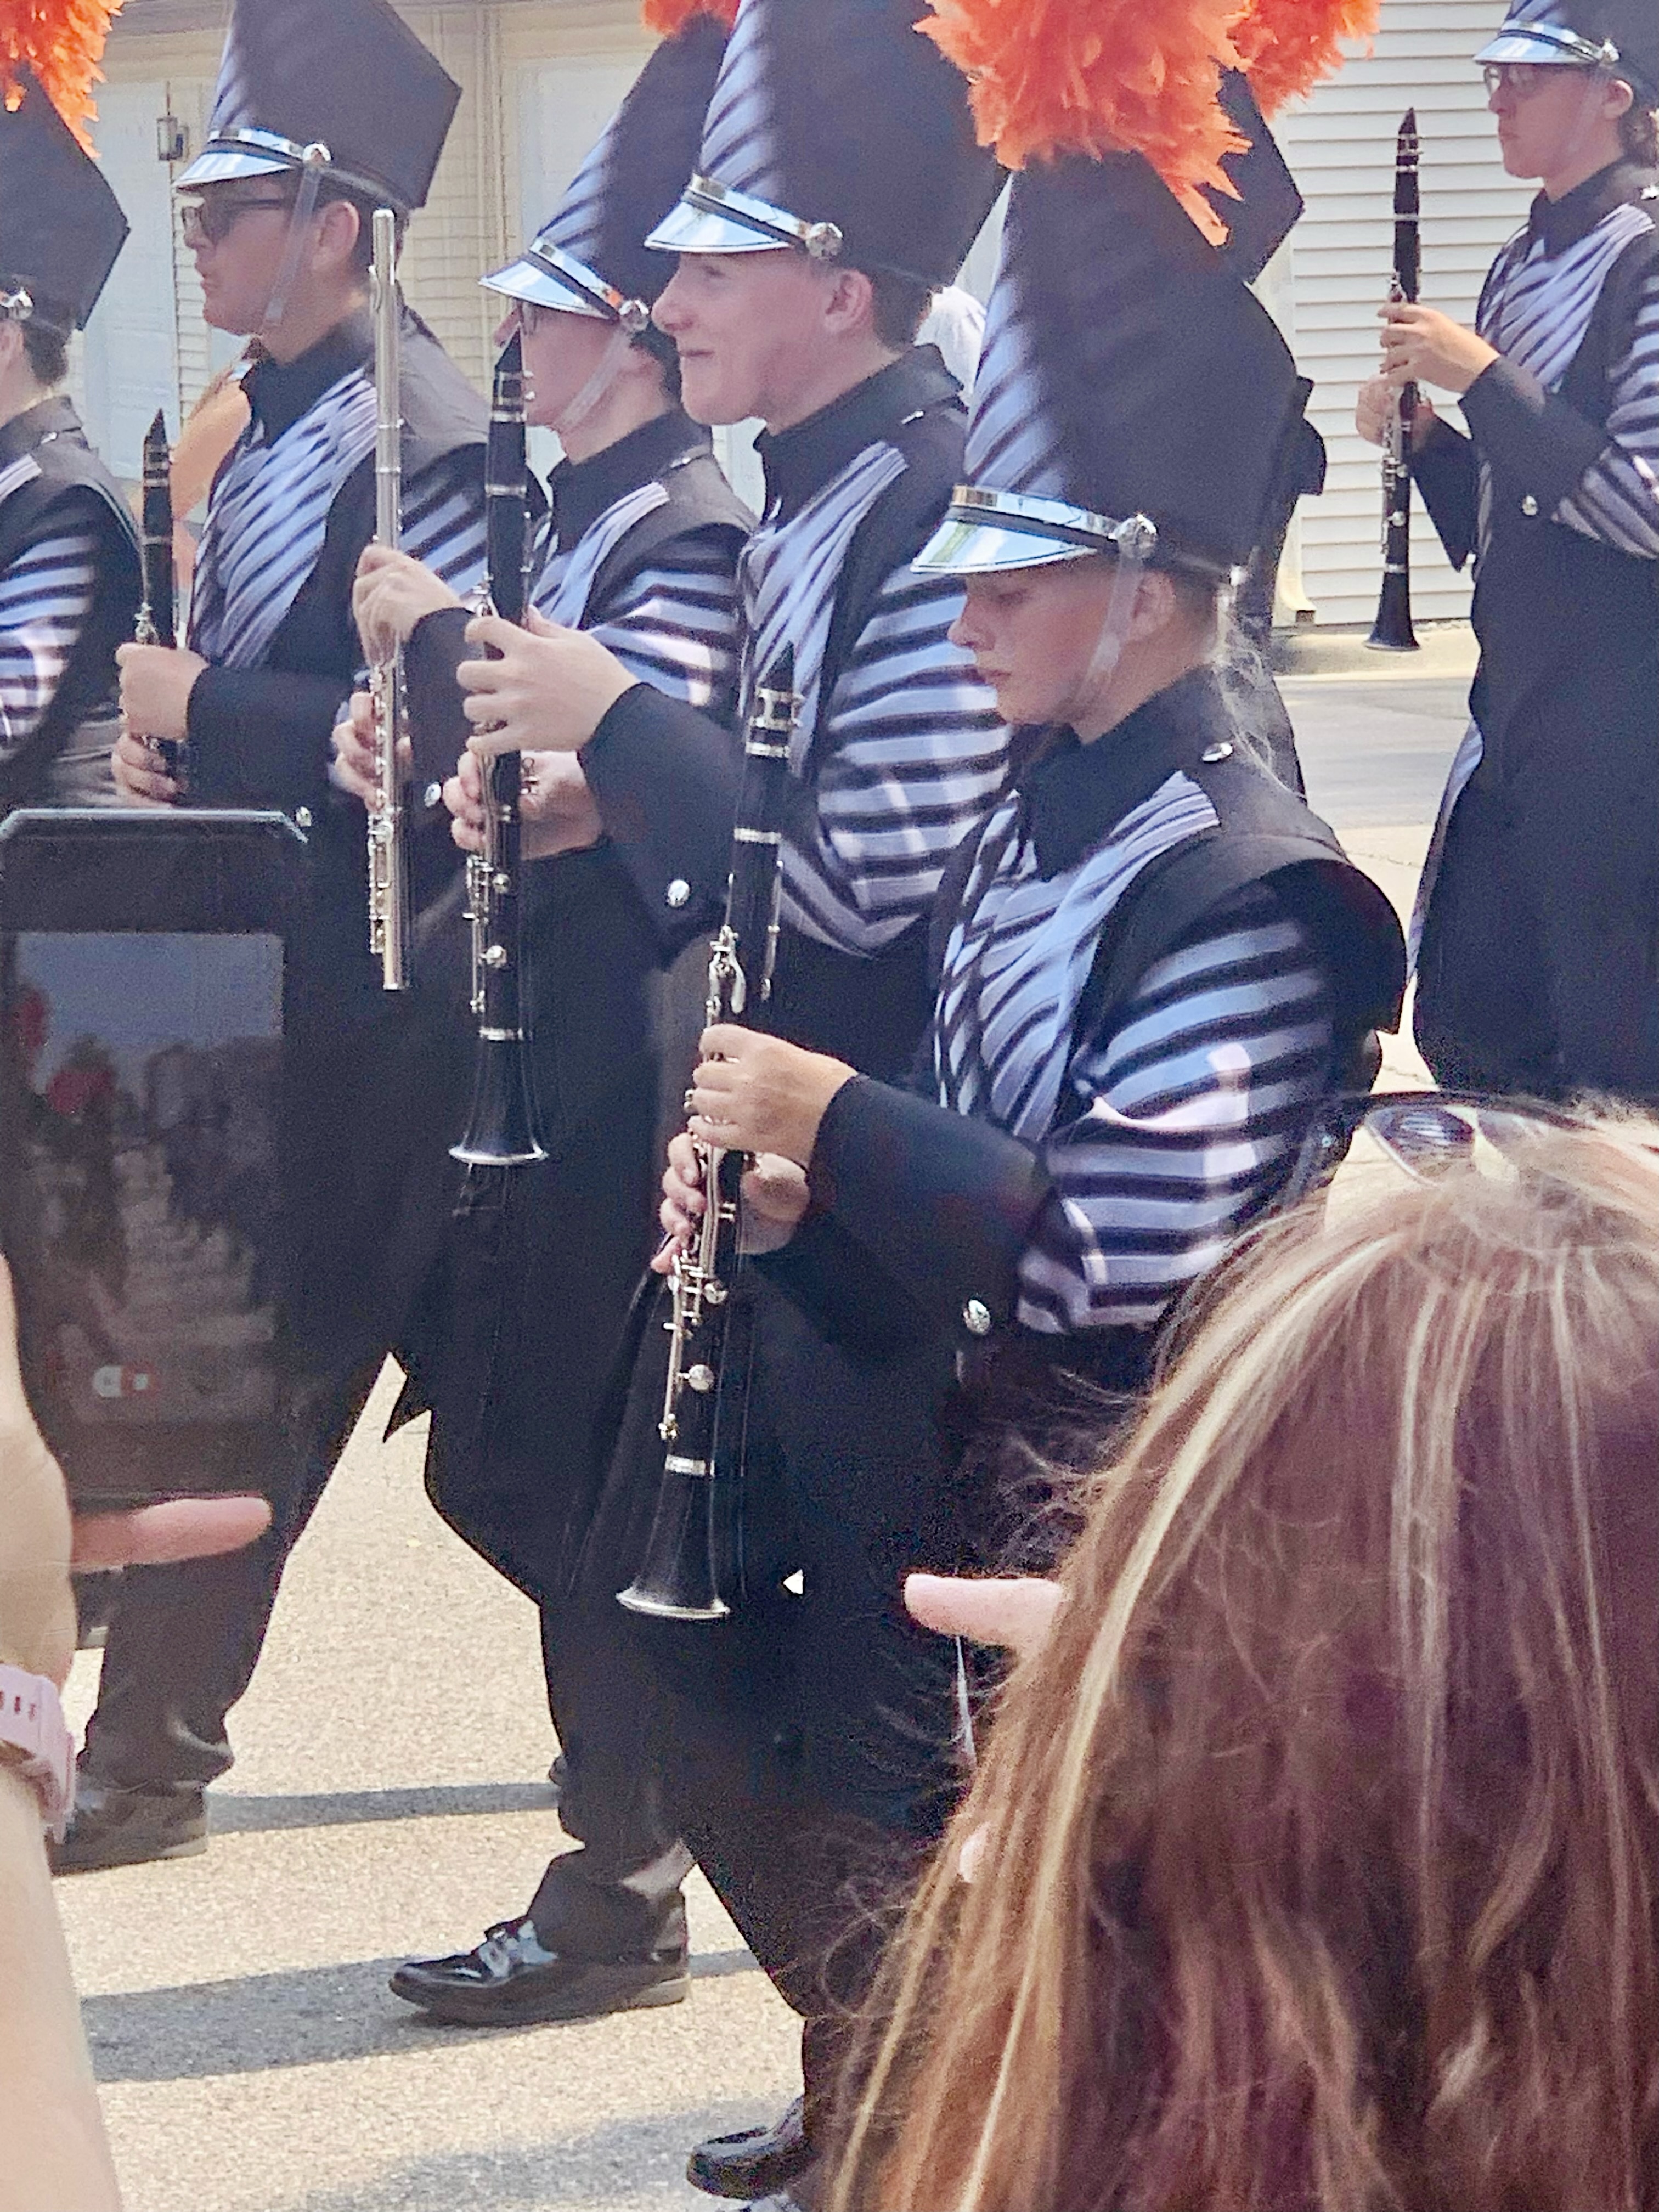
1164 1128
1012 445
1536 312
267 519
906 753
443 521
739 145
46 596
675 628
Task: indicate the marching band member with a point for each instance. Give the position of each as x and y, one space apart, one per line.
642 552
837 187
1539 967
327 109
68 553
1155 964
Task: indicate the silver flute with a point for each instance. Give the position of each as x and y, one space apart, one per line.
391 915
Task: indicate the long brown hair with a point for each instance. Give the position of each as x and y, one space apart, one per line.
1321 1839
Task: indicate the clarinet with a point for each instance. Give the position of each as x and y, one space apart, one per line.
157 622
391 910
501 1129
1391 631
691 1568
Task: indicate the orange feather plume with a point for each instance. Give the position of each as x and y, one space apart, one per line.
1286 46
668 16
1101 76
63 42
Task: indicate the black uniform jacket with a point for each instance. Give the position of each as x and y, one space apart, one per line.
377 1081
73 490
924 1214
1567 692
666 778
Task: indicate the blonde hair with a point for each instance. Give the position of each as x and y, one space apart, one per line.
1321 1839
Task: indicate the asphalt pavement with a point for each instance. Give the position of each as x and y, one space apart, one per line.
390 1796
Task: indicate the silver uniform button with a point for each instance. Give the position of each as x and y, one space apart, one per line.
1212 754
976 1317
435 793
302 818
678 893
1530 504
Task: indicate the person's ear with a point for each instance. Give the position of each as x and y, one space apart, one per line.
1154 609
1618 100
339 229
850 303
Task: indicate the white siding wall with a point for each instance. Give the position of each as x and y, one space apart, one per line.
1341 145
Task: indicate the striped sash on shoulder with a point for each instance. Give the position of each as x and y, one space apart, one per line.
267 521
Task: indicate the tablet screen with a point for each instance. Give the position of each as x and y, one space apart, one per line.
142 1081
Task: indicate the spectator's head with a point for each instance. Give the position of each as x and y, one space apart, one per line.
1321 1842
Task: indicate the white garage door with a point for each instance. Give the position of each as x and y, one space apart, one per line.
129 365
1341 146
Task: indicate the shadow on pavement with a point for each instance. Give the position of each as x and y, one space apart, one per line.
625 2164
309 2016
230 1814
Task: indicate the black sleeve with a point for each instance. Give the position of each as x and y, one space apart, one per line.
664 779
262 736
1445 471
437 727
1541 441
943 1202
849 1298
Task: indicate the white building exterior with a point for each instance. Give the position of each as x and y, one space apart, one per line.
540 78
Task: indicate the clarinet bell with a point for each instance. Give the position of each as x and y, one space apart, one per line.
501 1129
679 1578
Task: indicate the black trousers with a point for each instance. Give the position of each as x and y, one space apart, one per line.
373 1104
184 1640
1538 971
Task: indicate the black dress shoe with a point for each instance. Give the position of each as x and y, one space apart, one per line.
512 1977
757 2163
113 1828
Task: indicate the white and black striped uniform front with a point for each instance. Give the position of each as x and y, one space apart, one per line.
46 596
906 751
1166 1125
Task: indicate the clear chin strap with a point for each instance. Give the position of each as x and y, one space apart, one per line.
313 162
1135 542
603 376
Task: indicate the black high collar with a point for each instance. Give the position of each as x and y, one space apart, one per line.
1076 794
281 391
51 417
799 462
581 491
1561 224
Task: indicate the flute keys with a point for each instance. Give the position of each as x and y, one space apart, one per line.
700 1379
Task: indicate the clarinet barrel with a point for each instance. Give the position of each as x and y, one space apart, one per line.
692 1567
501 1128
1392 632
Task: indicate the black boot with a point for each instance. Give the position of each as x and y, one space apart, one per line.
755 2163
512 1977
110 1826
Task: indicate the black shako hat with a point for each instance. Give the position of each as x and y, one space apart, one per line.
590 258
342 84
836 126
1621 36
61 226
1132 395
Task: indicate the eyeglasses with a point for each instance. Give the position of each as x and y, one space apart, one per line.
210 222
1428 1133
1522 78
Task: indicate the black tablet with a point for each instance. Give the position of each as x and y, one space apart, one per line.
144 987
